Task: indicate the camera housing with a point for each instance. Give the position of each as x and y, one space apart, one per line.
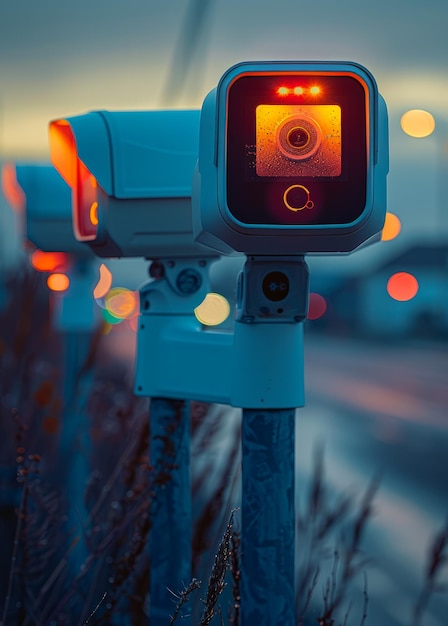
45 199
293 159
130 173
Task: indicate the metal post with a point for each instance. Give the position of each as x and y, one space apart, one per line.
170 534
75 443
267 518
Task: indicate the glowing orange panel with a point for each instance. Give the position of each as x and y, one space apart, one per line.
85 216
402 286
12 191
298 140
63 150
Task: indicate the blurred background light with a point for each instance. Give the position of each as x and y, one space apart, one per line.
418 123
121 302
213 310
58 282
49 261
391 228
402 286
317 306
105 282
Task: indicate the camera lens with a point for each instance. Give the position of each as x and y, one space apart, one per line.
298 137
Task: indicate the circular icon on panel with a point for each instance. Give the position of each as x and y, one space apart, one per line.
297 198
298 137
276 286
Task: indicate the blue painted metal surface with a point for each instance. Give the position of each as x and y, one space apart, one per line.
267 518
170 534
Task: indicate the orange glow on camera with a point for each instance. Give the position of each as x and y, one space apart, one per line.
315 90
63 151
283 91
64 156
12 191
94 213
298 140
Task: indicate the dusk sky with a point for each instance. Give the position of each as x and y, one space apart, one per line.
60 58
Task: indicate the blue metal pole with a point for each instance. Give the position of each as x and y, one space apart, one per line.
75 443
170 534
267 518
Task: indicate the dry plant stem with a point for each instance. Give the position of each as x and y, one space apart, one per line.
55 575
216 582
14 554
236 576
102 548
438 558
95 609
183 598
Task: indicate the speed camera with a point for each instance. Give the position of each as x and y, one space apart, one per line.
130 173
45 199
293 159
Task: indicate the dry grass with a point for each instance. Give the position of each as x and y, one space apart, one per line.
111 584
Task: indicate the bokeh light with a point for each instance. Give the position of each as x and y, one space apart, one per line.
122 303
317 306
402 286
391 228
213 310
418 123
110 319
49 261
58 282
104 283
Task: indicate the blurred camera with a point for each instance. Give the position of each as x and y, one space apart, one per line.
130 173
44 197
293 159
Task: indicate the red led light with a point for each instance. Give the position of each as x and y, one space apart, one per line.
298 90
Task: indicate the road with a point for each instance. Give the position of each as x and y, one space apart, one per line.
383 408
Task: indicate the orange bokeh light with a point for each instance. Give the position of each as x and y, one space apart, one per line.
58 282
122 303
104 283
317 306
391 228
418 123
49 261
402 286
